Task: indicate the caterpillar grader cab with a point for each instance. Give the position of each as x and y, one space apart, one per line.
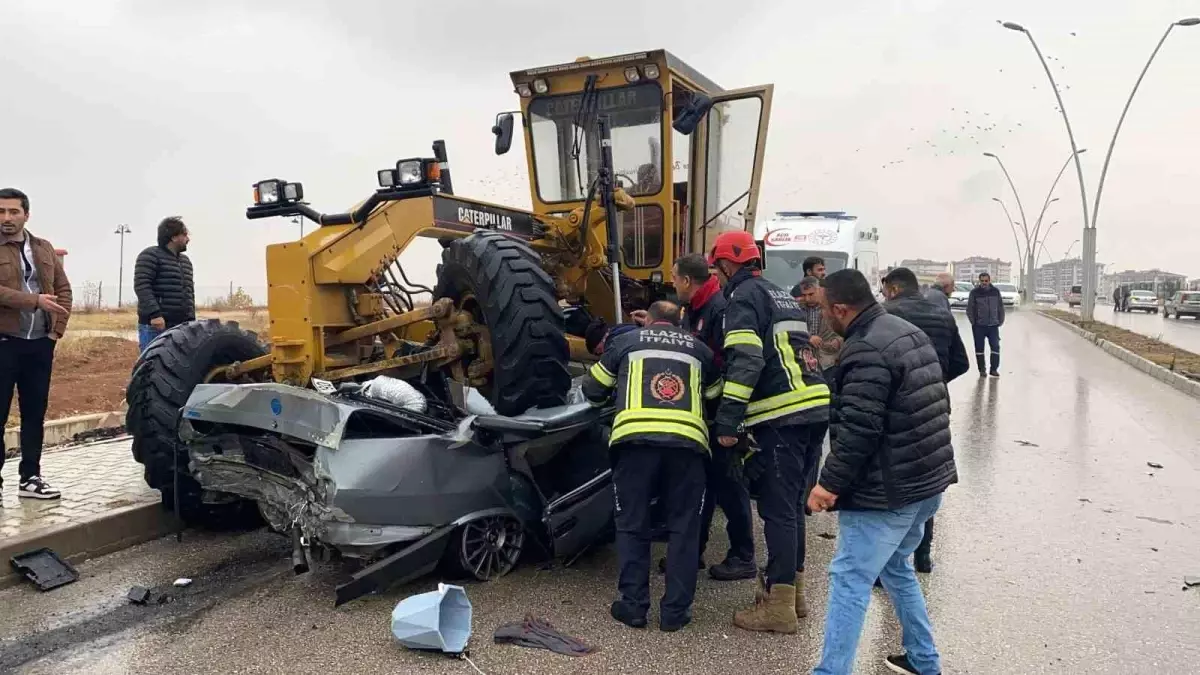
410 426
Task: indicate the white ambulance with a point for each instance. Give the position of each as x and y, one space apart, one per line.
842 241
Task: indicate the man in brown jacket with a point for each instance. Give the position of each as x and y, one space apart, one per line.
35 302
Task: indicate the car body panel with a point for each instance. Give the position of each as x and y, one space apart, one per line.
1009 294
1183 303
1145 301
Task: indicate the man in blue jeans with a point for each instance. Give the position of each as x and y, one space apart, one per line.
985 311
889 462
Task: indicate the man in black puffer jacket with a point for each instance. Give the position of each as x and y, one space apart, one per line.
905 301
890 460
162 279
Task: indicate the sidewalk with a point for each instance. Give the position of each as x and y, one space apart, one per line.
105 506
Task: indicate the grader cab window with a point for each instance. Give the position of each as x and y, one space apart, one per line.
566 149
732 148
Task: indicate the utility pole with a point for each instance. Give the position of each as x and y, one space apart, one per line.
121 230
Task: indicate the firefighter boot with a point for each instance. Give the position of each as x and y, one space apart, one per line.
776 614
801 606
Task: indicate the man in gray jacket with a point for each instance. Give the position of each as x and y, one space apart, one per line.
985 311
939 292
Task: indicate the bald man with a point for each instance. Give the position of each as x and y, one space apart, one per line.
939 292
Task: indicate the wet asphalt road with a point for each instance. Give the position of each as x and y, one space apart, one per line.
1059 551
1183 333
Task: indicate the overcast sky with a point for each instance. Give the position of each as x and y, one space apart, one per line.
127 111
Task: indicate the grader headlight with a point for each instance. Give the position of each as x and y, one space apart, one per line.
275 191
410 172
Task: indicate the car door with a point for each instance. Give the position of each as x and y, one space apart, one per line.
582 516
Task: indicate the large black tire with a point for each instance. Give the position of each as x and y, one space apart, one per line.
163 379
515 300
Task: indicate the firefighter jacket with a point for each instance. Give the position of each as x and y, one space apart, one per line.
771 372
662 376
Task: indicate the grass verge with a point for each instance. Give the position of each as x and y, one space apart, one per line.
1168 356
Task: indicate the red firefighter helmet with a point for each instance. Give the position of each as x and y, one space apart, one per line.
738 246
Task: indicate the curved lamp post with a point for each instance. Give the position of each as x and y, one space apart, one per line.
1016 240
1024 225
1088 302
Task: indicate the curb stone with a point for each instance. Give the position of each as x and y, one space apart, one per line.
1183 384
63 431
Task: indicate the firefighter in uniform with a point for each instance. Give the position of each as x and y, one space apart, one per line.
774 387
662 377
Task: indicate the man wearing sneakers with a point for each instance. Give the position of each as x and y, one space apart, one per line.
775 389
35 300
985 311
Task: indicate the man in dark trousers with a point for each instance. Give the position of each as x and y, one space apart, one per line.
985 311
35 302
889 462
903 292
774 388
162 279
662 376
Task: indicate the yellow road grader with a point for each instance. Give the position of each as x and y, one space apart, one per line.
404 424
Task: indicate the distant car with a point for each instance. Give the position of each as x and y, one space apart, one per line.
962 291
1074 297
1143 301
1183 303
1045 296
1009 294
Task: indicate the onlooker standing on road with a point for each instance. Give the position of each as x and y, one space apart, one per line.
162 279
905 301
35 303
940 291
889 463
985 311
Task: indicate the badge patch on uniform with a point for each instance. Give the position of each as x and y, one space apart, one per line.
700 325
810 359
667 386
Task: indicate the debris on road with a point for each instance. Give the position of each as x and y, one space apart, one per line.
438 619
182 582
539 633
827 535
1154 465
1028 444
1085 499
44 568
1191 581
138 595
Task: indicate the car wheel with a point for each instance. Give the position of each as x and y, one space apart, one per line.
486 548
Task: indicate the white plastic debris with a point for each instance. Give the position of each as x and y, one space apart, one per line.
183 581
438 619
396 392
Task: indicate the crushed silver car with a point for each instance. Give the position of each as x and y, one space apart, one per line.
369 471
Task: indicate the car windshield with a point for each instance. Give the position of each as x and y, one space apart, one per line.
1190 297
1005 288
963 286
566 145
786 268
1077 289
1141 294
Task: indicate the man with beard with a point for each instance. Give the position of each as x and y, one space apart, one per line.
889 462
162 279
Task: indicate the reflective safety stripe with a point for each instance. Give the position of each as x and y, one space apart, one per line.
715 389
743 337
737 392
602 375
790 326
622 431
787 361
661 354
660 415
787 403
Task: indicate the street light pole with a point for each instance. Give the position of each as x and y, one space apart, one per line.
1016 240
1089 299
121 230
1049 194
1028 264
1089 270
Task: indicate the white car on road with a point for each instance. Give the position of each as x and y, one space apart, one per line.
1045 296
1143 301
1009 294
958 299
